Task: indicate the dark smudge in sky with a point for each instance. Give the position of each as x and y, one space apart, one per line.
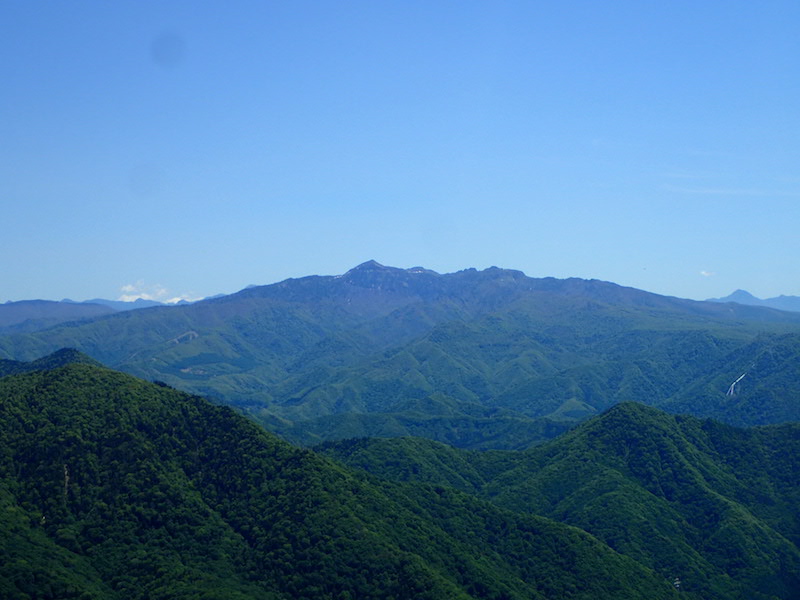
167 50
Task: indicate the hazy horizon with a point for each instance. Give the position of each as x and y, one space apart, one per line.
160 294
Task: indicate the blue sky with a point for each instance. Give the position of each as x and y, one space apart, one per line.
183 149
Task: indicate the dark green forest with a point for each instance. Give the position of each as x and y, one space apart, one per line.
113 487
712 504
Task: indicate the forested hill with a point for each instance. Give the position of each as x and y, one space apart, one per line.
711 504
59 358
112 487
478 359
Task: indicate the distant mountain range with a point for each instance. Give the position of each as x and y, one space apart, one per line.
791 303
477 359
122 304
34 315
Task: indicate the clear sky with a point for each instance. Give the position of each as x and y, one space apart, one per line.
193 148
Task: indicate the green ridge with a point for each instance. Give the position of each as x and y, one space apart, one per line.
712 504
477 359
112 487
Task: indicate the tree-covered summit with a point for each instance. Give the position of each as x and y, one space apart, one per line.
712 504
59 358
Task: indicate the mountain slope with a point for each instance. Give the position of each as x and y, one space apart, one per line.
112 487
476 358
713 505
657 490
754 385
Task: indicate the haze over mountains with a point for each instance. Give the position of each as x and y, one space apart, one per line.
478 359
34 315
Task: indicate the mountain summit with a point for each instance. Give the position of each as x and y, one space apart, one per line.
372 274
59 358
370 266
480 359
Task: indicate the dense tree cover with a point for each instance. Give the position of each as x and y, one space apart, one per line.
488 359
766 392
112 487
712 504
465 426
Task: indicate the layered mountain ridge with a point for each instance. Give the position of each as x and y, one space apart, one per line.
112 487
478 359
695 499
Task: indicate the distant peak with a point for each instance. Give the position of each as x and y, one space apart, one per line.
500 272
369 270
742 294
374 275
421 270
373 266
370 265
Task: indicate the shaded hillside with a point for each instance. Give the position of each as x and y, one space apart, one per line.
706 502
111 487
476 358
